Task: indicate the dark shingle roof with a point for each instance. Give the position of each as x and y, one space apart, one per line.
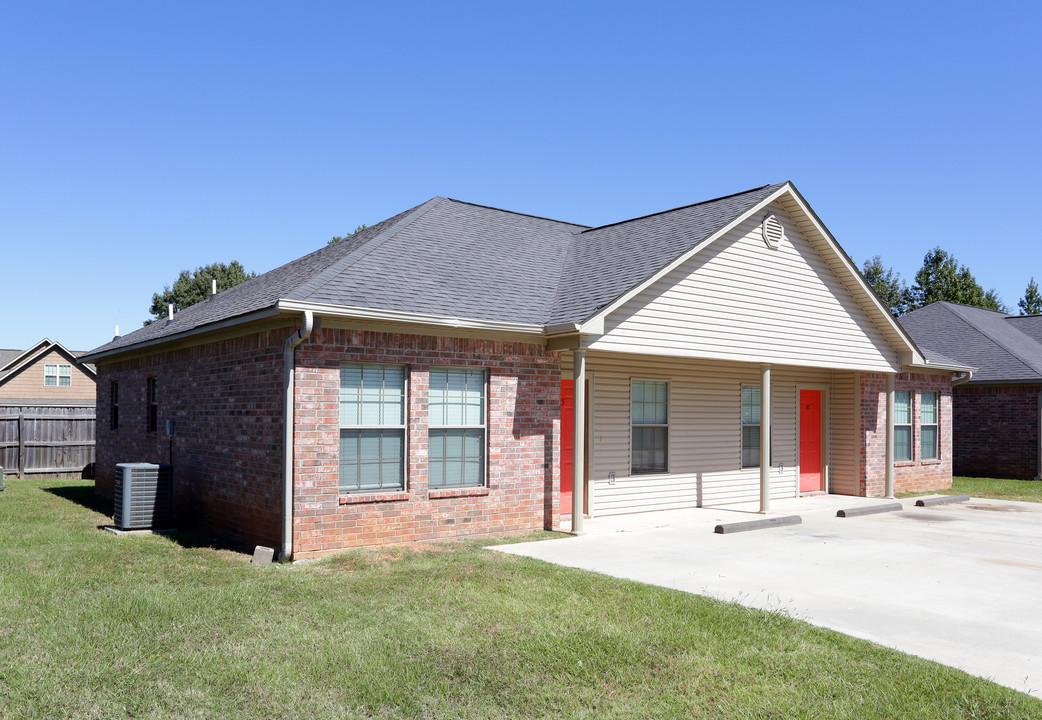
991 341
6 356
453 259
608 261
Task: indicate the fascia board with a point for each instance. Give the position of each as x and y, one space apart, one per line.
665 270
344 311
200 330
27 357
940 366
917 357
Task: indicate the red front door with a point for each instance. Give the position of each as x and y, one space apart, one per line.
567 433
810 441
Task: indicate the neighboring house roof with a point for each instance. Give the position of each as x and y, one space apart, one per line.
1003 348
13 361
456 263
6 356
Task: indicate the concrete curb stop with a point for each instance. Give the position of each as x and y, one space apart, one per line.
869 510
941 500
726 528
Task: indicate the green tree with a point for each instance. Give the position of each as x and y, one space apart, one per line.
888 285
338 238
942 278
190 288
1031 303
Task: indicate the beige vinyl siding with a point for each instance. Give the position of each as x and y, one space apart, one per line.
740 300
846 446
29 382
704 432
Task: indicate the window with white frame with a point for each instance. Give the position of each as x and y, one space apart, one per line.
649 415
372 428
902 425
456 427
751 405
928 426
57 375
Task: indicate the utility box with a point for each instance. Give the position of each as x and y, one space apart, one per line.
144 496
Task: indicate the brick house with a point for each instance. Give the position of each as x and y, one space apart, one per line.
997 414
430 367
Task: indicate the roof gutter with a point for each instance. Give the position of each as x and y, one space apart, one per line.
361 313
964 378
289 363
93 357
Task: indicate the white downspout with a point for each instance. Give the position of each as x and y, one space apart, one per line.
578 442
890 396
289 363
765 438
1039 476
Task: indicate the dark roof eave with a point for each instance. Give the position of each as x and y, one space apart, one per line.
94 356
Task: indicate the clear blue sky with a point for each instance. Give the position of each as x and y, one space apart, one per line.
138 139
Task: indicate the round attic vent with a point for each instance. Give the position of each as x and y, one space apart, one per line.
773 231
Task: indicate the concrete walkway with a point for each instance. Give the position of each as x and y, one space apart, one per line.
960 584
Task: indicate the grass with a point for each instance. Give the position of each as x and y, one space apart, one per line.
997 488
98 626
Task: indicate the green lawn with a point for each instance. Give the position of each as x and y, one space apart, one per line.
98 626
1025 490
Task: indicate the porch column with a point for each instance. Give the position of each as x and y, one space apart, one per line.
765 438
890 436
578 442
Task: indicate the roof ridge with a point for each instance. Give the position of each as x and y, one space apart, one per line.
977 307
684 207
515 212
1029 362
366 247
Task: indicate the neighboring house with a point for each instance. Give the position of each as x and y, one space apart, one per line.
45 374
429 366
998 412
47 402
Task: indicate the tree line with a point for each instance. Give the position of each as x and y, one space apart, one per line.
940 278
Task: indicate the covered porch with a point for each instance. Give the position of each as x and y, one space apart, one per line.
662 433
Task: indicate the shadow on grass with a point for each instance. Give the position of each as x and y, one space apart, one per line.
188 535
84 496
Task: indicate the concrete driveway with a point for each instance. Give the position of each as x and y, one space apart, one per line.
960 584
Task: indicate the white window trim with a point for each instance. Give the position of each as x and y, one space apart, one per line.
936 424
60 370
404 427
742 425
484 427
667 426
910 425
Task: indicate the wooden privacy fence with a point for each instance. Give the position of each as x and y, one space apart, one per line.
47 440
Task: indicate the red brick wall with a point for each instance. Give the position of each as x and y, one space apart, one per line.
523 442
996 430
916 475
226 400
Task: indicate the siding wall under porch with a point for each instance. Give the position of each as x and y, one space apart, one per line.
705 432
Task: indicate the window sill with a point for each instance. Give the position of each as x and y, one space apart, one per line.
360 499
931 461
904 463
457 492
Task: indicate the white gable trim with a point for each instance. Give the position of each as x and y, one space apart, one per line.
907 350
37 351
914 355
